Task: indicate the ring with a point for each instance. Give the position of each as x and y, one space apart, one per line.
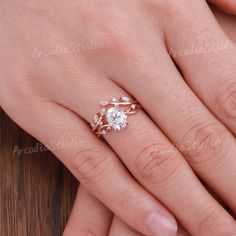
114 115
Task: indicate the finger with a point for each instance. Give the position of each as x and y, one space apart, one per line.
226 21
204 141
191 127
154 162
93 164
209 67
212 76
119 228
88 217
226 5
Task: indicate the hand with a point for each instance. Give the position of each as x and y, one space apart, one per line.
59 92
89 216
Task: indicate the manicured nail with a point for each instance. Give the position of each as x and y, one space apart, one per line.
160 224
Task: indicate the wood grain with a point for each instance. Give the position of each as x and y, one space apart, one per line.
36 190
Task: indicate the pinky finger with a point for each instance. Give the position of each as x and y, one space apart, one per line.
88 217
226 5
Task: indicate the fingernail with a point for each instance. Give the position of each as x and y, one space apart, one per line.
159 224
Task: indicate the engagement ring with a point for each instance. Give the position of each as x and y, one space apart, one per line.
114 115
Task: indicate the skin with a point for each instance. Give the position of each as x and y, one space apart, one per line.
113 225
226 5
118 227
190 120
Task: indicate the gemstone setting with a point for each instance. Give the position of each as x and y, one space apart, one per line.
113 115
116 118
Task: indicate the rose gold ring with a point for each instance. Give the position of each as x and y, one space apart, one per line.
114 115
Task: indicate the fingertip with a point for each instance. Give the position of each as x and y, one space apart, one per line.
161 224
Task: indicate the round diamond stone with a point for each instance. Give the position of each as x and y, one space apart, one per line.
116 118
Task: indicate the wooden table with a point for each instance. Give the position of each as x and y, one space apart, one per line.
36 191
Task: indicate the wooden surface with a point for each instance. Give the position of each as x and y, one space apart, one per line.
36 191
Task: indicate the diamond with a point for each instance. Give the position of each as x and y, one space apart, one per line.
125 99
116 118
113 99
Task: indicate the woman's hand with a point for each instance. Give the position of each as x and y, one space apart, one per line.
59 60
90 216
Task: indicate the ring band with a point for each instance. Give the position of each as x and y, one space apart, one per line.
114 115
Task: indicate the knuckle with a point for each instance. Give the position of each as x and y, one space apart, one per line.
90 163
109 16
157 162
208 221
163 5
169 8
150 10
203 142
206 224
25 79
128 197
21 87
226 99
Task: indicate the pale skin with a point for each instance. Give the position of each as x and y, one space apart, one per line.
87 209
123 51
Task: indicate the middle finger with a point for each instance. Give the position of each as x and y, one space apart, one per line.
205 142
